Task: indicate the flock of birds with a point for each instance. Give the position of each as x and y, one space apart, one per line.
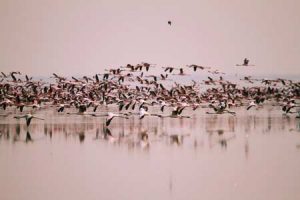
136 92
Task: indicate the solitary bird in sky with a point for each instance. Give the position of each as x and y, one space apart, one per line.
245 63
170 23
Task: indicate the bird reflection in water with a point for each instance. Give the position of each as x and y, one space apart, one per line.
177 139
81 136
45 129
224 140
220 129
195 144
171 183
16 137
4 133
28 137
108 136
246 147
221 139
18 129
50 134
144 140
97 134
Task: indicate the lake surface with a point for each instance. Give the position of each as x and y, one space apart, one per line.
253 155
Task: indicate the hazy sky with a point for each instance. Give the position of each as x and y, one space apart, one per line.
39 37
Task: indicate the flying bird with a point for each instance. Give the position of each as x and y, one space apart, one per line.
170 23
245 63
109 116
28 118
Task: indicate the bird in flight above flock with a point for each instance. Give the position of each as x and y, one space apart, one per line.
245 63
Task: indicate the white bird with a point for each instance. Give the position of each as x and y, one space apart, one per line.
252 104
28 117
61 108
143 113
109 116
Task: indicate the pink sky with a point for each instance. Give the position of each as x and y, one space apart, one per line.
39 37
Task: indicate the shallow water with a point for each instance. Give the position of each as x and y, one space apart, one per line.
253 155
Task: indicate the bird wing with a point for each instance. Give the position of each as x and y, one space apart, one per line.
108 121
38 118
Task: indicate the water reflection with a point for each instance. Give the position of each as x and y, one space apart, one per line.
246 147
170 155
28 137
220 137
81 136
201 131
